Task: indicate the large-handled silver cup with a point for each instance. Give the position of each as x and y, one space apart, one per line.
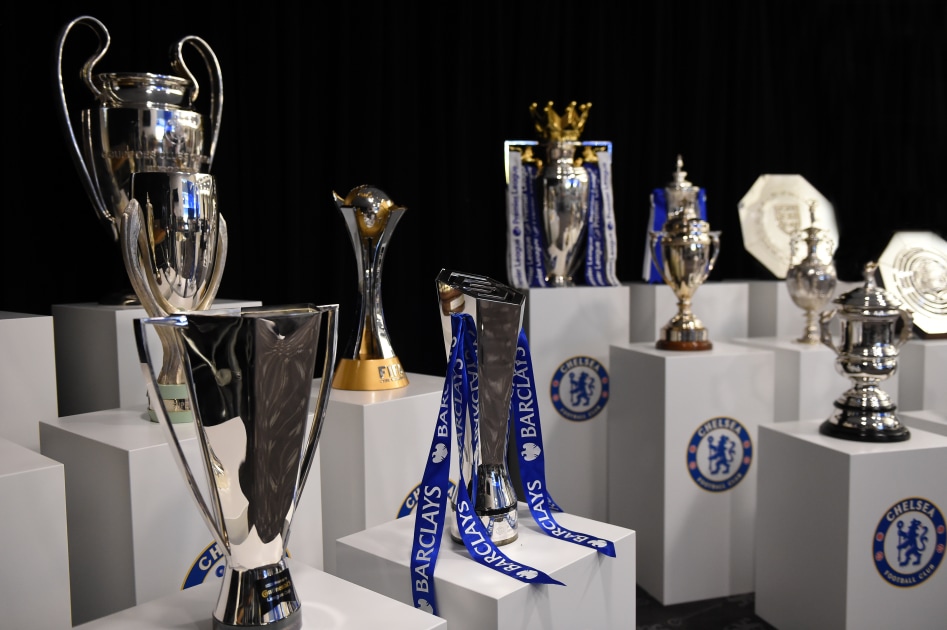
250 376
497 311
174 244
139 122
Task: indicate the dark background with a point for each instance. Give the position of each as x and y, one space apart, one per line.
418 98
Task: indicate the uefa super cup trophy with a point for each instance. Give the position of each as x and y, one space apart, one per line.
174 244
811 281
368 362
688 251
874 326
250 376
497 311
140 122
565 191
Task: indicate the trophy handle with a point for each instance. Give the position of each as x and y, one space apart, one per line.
825 335
219 261
907 320
217 85
654 241
98 202
715 249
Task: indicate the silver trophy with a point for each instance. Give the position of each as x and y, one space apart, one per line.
369 363
688 251
250 376
140 122
565 191
174 244
811 279
873 329
497 311
913 266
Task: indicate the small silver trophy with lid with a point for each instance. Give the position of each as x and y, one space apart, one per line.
811 281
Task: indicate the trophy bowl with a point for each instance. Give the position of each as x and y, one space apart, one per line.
811 279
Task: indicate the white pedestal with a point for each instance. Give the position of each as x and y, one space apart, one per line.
772 312
822 505
570 330
135 532
694 515
598 591
721 306
327 602
374 450
97 364
922 365
27 376
34 553
924 419
806 381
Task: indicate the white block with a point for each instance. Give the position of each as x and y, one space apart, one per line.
599 591
374 449
327 602
34 552
27 376
570 330
772 313
924 419
97 364
722 307
823 505
694 514
922 366
135 531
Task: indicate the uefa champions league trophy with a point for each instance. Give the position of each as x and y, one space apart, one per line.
497 311
174 244
140 122
369 362
811 281
867 354
250 377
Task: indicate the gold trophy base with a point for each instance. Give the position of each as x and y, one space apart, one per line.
369 375
684 332
175 399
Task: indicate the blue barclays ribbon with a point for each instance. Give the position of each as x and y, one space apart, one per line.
516 224
594 254
659 215
608 217
535 265
524 407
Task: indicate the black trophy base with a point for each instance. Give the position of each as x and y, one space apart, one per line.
862 425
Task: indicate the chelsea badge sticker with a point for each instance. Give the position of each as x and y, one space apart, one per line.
579 388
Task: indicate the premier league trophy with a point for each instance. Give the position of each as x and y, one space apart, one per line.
497 311
174 244
867 354
811 281
369 363
688 251
250 376
140 122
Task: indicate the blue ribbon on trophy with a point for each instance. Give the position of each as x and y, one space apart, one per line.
659 215
456 402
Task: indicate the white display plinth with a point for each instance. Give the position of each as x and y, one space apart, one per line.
722 307
807 383
925 420
135 531
922 364
822 506
682 464
34 554
570 330
374 449
27 376
97 365
327 603
598 591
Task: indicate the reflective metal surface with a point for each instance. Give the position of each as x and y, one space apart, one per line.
873 329
368 362
914 267
497 311
688 250
141 122
250 376
811 278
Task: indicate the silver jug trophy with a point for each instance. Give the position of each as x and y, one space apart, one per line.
174 244
368 362
140 122
497 311
811 278
688 250
250 375
874 326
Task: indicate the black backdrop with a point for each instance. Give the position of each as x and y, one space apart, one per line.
417 99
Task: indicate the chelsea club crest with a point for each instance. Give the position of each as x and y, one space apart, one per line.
719 454
909 542
579 388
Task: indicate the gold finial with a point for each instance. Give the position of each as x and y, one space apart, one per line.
568 126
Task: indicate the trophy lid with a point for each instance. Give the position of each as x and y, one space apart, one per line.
682 194
555 128
869 297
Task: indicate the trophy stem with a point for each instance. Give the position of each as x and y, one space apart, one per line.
812 335
865 413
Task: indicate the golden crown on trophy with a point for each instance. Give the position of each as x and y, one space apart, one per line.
568 126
